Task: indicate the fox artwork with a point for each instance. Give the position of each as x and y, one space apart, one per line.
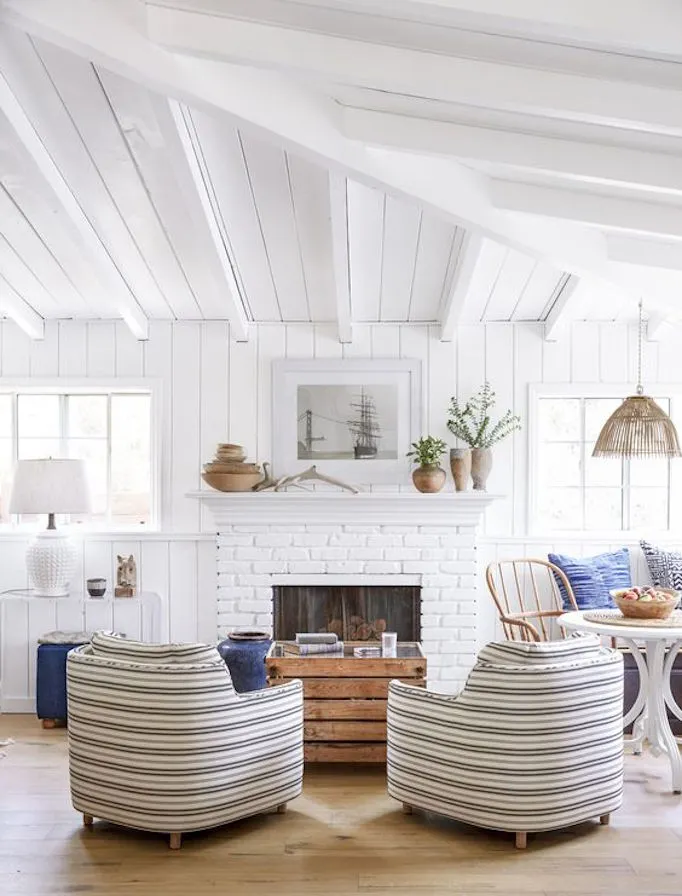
126 576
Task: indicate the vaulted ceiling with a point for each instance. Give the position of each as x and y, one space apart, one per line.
396 160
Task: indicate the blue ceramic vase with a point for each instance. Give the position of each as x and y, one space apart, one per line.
244 655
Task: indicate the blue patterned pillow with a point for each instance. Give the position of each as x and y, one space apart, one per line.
591 578
665 567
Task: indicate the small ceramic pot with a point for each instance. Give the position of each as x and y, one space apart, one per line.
429 478
96 587
244 654
460 465
481 465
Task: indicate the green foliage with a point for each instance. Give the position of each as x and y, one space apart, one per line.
427 451
472 424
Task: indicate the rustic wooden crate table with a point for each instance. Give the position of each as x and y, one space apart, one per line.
345 697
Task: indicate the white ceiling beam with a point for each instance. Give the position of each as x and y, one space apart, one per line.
401 70
655 253
558 315
338 201
583 161
455 305
129 309
595 209
189 140
18 310
659 325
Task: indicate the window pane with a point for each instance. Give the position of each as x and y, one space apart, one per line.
94 453
597 412
602 470
559 419
33 449
559 464
87 415
603 508
560 508
653 471
38 416
130 458
6 471
649 508
6 416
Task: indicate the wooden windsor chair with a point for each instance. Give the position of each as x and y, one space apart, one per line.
528 598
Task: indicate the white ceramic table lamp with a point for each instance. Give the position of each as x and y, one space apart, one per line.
50 486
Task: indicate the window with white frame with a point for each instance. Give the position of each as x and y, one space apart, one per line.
108 428
572 490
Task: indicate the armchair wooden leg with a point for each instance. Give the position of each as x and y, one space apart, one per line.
407 809
88 820
521 839
175 839
605 819
281 809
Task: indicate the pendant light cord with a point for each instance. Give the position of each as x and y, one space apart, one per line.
640 388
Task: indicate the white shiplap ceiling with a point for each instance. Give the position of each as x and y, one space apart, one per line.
317 161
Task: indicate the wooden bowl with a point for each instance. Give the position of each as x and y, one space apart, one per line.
648 609
232 482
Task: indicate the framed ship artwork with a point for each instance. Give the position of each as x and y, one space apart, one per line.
354 420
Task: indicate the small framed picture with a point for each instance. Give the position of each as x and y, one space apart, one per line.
355 420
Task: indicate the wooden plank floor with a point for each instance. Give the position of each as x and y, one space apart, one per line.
343 836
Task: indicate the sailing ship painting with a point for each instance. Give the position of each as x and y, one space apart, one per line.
347 422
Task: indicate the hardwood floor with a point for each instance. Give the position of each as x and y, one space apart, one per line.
343 836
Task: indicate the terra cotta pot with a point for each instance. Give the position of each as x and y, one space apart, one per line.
460 465
481 464
429 478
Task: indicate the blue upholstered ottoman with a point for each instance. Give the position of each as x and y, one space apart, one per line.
51 675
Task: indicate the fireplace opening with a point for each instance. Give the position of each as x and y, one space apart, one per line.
354 613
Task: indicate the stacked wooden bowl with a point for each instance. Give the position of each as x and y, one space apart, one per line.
228 472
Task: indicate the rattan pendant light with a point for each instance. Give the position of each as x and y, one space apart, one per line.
639 427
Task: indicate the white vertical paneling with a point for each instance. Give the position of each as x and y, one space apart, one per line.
207 606
101 350
414 344
327 343
528 343
129 352
509 286
649 358
670 360
441 376
361 346
556 360
401 233
155 576
271 345
45 352
16 350
431 266
300 341
499 354
613 352
584 353
99 562
215 394
73 348
365 246
470 360
183 616
243 382
158 363
385 341
16 656
186 424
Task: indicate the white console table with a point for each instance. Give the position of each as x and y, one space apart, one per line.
24 618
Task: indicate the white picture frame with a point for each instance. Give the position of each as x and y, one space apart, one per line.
354 419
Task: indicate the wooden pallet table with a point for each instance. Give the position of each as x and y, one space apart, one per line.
344 698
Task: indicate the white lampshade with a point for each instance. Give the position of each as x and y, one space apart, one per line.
50 485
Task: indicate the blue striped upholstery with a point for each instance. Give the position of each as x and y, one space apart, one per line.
524 746
170 746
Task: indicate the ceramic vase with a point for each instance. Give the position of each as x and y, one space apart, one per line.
244 654
481 464
460 465
429 478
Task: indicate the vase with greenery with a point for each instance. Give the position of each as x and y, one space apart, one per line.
473 424
429 476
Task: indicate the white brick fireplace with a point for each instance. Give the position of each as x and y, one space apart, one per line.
336 538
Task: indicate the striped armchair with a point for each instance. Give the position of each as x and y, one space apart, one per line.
160 741
533 742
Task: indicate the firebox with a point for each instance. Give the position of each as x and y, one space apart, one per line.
354 613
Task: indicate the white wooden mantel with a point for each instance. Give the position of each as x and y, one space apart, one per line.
366 508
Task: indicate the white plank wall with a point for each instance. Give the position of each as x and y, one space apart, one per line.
214 390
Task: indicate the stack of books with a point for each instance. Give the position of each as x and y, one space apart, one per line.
314 644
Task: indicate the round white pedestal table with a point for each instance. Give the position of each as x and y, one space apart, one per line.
648 713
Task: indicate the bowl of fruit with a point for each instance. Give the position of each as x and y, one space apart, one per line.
645 602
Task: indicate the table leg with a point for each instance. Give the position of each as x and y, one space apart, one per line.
658 730
670 700
637 713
